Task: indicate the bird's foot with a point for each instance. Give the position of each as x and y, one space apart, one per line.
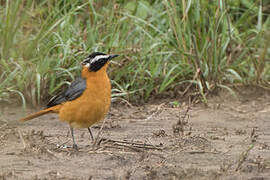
75 147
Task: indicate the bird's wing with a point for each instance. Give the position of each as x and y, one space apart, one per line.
74 91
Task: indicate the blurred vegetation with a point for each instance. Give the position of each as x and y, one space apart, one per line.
165 45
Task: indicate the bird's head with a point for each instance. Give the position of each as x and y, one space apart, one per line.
97 60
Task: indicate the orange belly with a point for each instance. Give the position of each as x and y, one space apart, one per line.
91 107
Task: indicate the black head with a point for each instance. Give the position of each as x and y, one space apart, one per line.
97 60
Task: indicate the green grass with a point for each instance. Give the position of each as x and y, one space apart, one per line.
164 46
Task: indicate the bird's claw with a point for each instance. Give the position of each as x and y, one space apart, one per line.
75 147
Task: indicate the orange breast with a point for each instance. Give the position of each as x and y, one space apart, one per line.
93 105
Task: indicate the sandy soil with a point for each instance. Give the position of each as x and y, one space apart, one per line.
230 139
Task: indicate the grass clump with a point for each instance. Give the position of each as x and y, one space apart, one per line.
166 46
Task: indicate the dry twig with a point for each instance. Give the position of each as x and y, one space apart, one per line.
21 137
181 123
131 145
243 157
96 139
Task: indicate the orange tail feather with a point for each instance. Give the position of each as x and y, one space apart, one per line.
40 113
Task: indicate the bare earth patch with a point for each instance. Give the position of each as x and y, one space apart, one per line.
230 139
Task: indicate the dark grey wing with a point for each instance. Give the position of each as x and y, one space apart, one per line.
74 91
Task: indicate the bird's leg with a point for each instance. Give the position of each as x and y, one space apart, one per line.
72 134
91 135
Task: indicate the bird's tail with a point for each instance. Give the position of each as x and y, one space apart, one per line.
40 113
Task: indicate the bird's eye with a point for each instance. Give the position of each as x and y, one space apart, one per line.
85 63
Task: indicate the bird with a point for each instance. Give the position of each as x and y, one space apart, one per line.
88 98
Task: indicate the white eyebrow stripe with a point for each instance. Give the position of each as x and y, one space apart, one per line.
100 57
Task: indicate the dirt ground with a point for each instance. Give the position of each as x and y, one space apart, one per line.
229 139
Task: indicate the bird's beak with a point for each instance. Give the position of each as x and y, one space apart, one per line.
113 56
